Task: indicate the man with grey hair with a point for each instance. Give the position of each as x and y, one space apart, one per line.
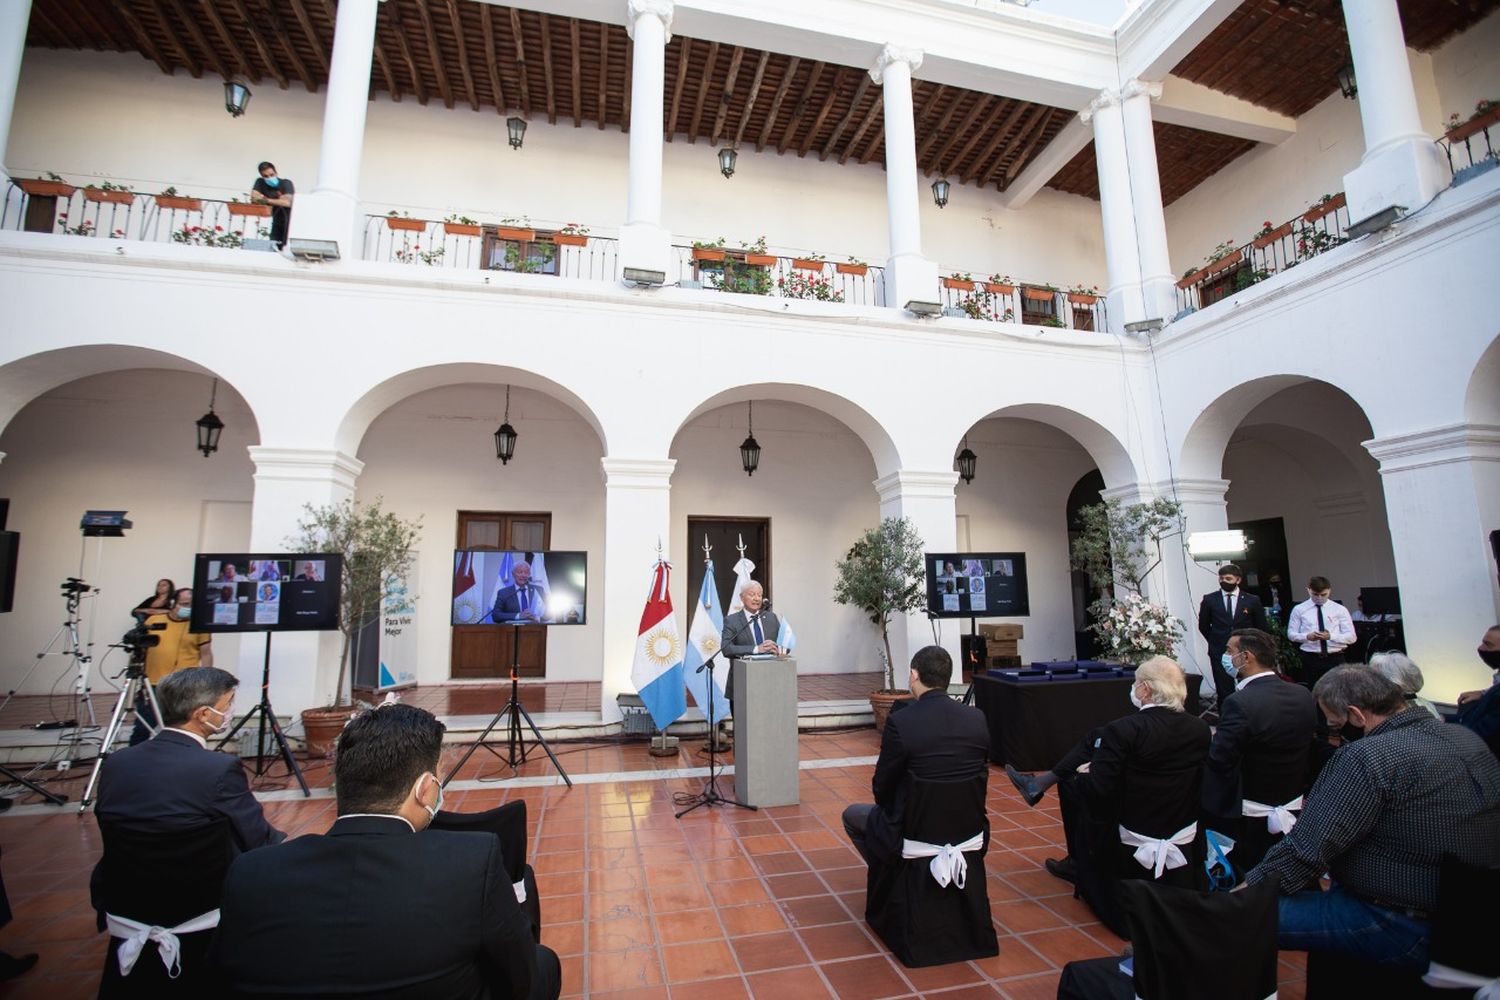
751 630
1399 669
173 782
1402 791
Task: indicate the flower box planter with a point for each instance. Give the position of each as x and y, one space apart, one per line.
1224 263
38 188
177 203
462 229
406 225
1318 211
856 269
760 259
1280 232
708 253
243 208
1193 279
570 239
1082 299
1473 126
804 264
958 283
511 233
1039 294
996 288
112 197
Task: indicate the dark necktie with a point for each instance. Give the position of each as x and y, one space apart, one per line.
1229 607
760 636
1322 643
525 599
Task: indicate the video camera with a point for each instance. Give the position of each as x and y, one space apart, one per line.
139 639
72 586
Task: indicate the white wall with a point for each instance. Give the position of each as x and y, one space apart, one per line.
1466 70
429 161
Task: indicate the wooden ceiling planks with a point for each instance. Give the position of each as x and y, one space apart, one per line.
1185 157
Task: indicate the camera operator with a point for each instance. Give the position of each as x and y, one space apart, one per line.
176 649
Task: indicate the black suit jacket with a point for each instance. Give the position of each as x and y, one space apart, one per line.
508 606
373 909
1214 624
171 783
1260 749
1147 771
934 737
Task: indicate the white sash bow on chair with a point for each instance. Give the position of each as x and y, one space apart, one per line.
133 937
1159 855
948 864
1447 977
520 887
1279 819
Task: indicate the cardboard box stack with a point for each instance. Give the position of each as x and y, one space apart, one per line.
1003 644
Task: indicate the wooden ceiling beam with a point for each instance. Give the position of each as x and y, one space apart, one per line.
684 51
875 114
58 35
184 52
726 96
940 159
988 162
977 134
491 60
199 38
93 28
793 119
577 43
522 72
629 83
299 10
603 73
833 92
1019 162
261 48
381 60
937 132
463 53
844 122
142 38
398 28
792 66
755 82
547 74
703 85
280 33
241 59
869 152
435 53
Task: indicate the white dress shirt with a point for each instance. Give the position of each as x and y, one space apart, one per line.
1336 621
1240 684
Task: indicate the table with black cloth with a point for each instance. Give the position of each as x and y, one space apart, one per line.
1038 714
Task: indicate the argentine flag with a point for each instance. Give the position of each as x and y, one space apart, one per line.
703 642
785 637
742 571
657 669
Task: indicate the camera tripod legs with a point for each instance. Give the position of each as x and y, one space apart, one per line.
135 684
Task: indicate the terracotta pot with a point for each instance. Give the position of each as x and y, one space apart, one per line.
1224 263
322 727
461 229
406 225
1039 294
46 189
1318 211
1473 126
172 201
760 259
244 208
1193 278
1280 232
880 704
804 264
1082 299
958 283
996 288
857 269
113 197
707 253
570 239
511 233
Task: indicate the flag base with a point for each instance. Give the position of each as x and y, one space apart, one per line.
663 745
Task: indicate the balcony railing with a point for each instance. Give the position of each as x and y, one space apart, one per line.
44 206
1469 134
1273 250
492 247
1036 304
753 273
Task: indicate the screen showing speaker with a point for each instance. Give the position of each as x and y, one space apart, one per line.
266 592
977 584
493 587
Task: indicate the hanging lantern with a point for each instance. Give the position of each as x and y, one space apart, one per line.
966 461
750 448
727 157
505 436
515 127
210 426
1348 86
940 188
236 96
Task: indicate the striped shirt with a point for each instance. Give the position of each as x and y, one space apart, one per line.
1388 807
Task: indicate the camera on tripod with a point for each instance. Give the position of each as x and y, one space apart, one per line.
73 586
139 639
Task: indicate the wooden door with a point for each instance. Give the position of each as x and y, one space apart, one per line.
724 534
489 650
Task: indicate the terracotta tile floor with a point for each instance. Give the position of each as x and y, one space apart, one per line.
719 904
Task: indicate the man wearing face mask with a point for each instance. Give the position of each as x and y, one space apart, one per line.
1219 614
178 649
1403 791
1480 710
1321 628
276 191
386 906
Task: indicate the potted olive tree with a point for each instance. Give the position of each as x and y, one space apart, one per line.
377 549
881 575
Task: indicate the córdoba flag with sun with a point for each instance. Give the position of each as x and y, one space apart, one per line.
657 669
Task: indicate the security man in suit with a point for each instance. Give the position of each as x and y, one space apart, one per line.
1222 612
523 601
1257 765
753 629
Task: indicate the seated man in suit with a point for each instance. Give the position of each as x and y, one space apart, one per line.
385 906
1480 710
1132 810
932 737
173 782
1257 764
523 601
753 629
1219 614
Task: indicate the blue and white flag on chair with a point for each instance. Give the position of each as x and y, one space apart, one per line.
703 642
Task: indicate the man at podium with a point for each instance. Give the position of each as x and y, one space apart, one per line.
749 632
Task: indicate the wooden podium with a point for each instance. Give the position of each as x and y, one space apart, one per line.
765 732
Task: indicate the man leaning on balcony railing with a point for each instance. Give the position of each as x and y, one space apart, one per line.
276 191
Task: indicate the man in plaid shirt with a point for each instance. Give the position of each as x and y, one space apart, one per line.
1404 790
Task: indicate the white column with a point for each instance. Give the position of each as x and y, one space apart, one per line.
331 210
909 276
1402 165
644 243
304 665
637 516
1442 498
1158 287
1117 210
14 16
928 499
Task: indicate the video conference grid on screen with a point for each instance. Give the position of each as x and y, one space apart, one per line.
243 592
977 584
488 588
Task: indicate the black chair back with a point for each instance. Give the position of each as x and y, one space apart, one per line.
1185 940
508 823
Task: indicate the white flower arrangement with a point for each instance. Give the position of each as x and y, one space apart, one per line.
1133 629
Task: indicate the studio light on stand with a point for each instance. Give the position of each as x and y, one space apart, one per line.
515 128
727 158
966 462
209 425
750 448
236 96
1216 546
505 436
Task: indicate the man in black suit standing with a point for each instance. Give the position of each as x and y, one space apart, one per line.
933 737
385 906
1222 612
172 782
753 629
523 601
1257 764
